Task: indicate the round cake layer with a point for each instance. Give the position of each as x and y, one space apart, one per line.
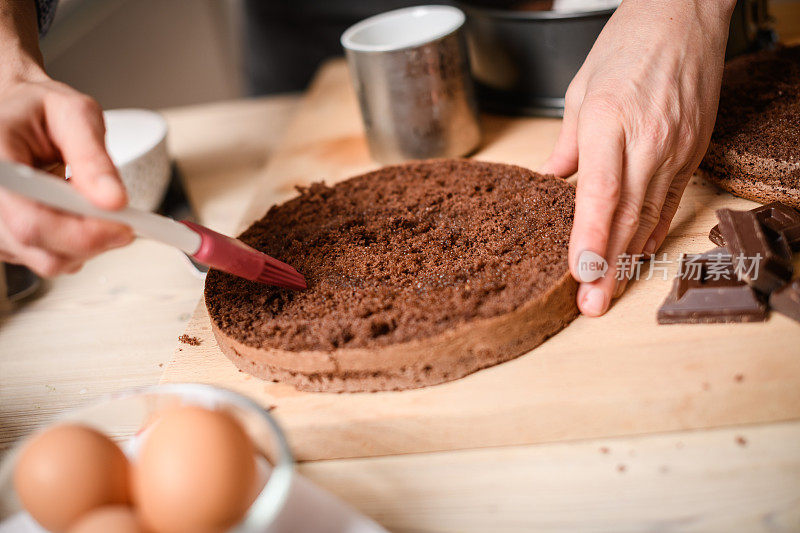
418 274
755 148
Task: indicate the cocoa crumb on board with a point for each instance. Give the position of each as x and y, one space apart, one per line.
191 341
621 468
739 378
741 441
604 449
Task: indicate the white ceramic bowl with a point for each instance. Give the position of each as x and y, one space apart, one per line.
122 416
136 140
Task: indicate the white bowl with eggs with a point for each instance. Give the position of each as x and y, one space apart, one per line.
158 432
136 140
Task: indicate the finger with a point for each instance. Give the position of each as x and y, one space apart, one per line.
563 160
601 145
663 191
82 238
35 226
75 124
596 296
44 263
670 207
640 162
73 268
649 215
634 210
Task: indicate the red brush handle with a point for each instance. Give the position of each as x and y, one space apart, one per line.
227 254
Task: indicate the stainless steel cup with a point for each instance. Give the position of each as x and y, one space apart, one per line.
411 75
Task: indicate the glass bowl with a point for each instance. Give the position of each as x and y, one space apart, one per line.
122 415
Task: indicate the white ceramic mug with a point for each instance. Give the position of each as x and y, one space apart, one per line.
136 140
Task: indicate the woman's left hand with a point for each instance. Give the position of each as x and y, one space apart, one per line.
638 118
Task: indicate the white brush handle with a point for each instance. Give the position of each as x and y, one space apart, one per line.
49 190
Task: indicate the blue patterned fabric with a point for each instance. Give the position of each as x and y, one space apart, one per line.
45 10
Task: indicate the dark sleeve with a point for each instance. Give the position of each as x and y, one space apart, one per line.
45 11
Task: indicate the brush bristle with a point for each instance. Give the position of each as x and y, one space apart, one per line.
235 257
281 275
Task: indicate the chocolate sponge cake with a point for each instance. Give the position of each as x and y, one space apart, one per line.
418 274
755 148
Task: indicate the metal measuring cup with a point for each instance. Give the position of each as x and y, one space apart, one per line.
411 75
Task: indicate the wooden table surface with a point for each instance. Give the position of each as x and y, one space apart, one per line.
114 325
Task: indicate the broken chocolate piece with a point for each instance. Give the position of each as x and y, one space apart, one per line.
780 222
707 290
716 237
791 236
763 263
786 300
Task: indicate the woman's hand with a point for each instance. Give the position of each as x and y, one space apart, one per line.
637 121
43 122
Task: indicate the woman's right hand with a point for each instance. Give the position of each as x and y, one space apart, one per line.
42 123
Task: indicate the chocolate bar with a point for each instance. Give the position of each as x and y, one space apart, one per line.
708 290
780 222
763 263
786 300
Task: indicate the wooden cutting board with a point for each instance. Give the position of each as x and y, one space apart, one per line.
621 374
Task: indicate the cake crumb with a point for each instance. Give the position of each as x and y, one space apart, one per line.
741 441
738 378
604 450
621 468
191 341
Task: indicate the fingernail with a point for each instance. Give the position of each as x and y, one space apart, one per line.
109 186
591 266
650 247
121 239
594 303
74 269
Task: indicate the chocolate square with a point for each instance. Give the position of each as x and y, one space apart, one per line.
760 259
786 300
780 221
708 290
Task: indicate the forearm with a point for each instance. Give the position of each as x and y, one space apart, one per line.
661 19
20 58
706 6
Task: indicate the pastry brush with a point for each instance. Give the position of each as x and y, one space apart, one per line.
202 244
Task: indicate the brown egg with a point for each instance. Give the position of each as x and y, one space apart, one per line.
67 471
195 472
109 519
